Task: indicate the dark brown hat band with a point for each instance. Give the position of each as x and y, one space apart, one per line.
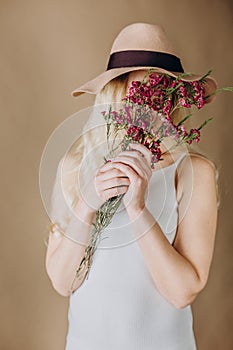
144 58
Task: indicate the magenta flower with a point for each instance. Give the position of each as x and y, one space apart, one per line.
158 93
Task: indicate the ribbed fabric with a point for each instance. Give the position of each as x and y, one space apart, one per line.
119 307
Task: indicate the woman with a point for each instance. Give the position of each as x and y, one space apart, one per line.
139 295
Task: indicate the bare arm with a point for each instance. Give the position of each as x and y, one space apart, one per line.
64 254
181 271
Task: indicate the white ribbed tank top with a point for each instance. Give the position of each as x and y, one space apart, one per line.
119 307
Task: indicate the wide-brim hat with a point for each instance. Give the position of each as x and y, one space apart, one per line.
142 46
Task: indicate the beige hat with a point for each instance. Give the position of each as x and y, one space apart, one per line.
142 46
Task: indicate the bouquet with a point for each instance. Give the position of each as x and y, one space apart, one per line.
145 117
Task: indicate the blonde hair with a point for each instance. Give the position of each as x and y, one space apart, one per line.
81 162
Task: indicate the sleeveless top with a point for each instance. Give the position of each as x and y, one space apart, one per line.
118 306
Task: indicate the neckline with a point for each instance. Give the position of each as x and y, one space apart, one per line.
168 166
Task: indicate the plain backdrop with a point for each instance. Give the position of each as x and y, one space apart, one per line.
48 48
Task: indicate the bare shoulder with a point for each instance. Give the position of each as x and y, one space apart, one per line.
195 171
198 161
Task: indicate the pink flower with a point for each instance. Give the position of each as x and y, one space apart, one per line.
134 132
152 75
145 124
200 103
183 130
184 103
136 83
183 91
172 84
165 82
195 132
152 82
119 119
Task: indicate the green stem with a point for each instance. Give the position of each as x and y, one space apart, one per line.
184 119
205 122
227 88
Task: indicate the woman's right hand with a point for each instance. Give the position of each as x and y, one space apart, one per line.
103 185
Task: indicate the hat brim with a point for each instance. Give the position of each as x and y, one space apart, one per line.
95 85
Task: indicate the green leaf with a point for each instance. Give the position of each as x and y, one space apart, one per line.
227 88
205 75
184 119
183 75
205 122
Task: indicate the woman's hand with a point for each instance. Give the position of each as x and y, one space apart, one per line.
136 165
106 183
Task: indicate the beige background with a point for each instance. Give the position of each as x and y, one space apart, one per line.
48 48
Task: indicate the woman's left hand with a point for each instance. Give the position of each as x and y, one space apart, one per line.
136 164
